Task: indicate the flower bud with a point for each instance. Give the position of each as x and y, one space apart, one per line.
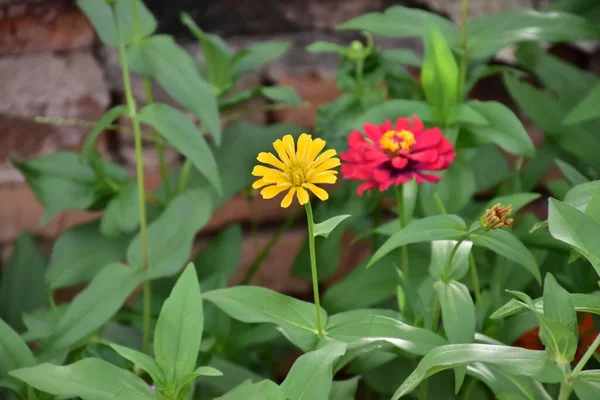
496 217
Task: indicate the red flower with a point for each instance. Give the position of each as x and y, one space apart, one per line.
392 156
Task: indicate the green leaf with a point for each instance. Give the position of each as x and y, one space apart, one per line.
573 227
407 57
393 109
181 132
581 195
127 393
560 342
200 371
508 386
440 253
143 361
439 74
218 61
226 247
257 55
504 129
107 119
557 304
14 354
282 94
367 326
507 245
582 302
324 228
170 236
456 189
94 306
439 227
513 360
179 328
587 384
253 304
177 72
399 22
311 375
517 200
122 212
265 390
134 20
89 379
326 47
101 16
80 253
344 390
22 286
571 173
458 311
493 32
587 109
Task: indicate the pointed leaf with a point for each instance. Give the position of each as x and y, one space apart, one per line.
587 109
122 212
510 386
179 328
265 390
560 341
107 119
440 253
428 229
587 385
558 305
143 361
258 55
311 375
282 94
571 173
14 354
324 228
253 304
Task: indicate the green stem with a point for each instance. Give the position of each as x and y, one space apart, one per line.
586 357
474 278
159 144
147 316
469 390
439 203
51 301
255 266
464 59
402 219
313 266
448 266
423 391
376 218
139 161
185 175
565 391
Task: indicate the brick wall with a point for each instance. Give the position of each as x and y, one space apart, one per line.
51 64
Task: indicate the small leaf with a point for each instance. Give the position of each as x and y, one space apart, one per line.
516 361
324 228
311 375
122 212
428 229
587 384
170 236
560 341
558 305
253 304
283 94
179 328
440 253
14 354
144 361
181 132
22 287
507 245
101 16
587 109
588 303
200 371
89 379
326 47
80 253
107 119
571 173
257 55
504 129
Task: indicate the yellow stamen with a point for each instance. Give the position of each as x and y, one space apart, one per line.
394 141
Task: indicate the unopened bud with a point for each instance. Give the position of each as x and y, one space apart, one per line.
496 217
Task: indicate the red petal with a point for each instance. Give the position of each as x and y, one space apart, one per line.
399 162
402 124
355 139
445 146
417 126
427 139
429 178
381 175
427 156
365 186
386 126
403 178
373 132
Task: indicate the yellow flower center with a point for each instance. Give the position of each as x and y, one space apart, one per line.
297 175
394 141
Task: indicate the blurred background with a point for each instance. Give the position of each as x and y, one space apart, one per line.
52 65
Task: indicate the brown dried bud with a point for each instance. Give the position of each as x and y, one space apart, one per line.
496 217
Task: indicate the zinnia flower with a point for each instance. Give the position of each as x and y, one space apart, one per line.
296 170
496 217
395 155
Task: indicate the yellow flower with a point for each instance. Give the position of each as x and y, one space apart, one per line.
296 169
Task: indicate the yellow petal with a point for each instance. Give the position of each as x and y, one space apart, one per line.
287 200
325 156
271 191
320 193
323 177
280 149
327 165
290 147
304 142
315 148
302 196
259 183
261 170
269 158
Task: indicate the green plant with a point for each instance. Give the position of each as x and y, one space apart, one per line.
452 286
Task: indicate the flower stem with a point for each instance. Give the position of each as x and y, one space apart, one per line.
464 59
586 357
255 266
313 265
402 219
139 161
474 278
565 391
147 316
439 203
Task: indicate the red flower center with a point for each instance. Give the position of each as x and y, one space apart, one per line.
393 141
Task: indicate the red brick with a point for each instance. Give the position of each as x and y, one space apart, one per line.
43 27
